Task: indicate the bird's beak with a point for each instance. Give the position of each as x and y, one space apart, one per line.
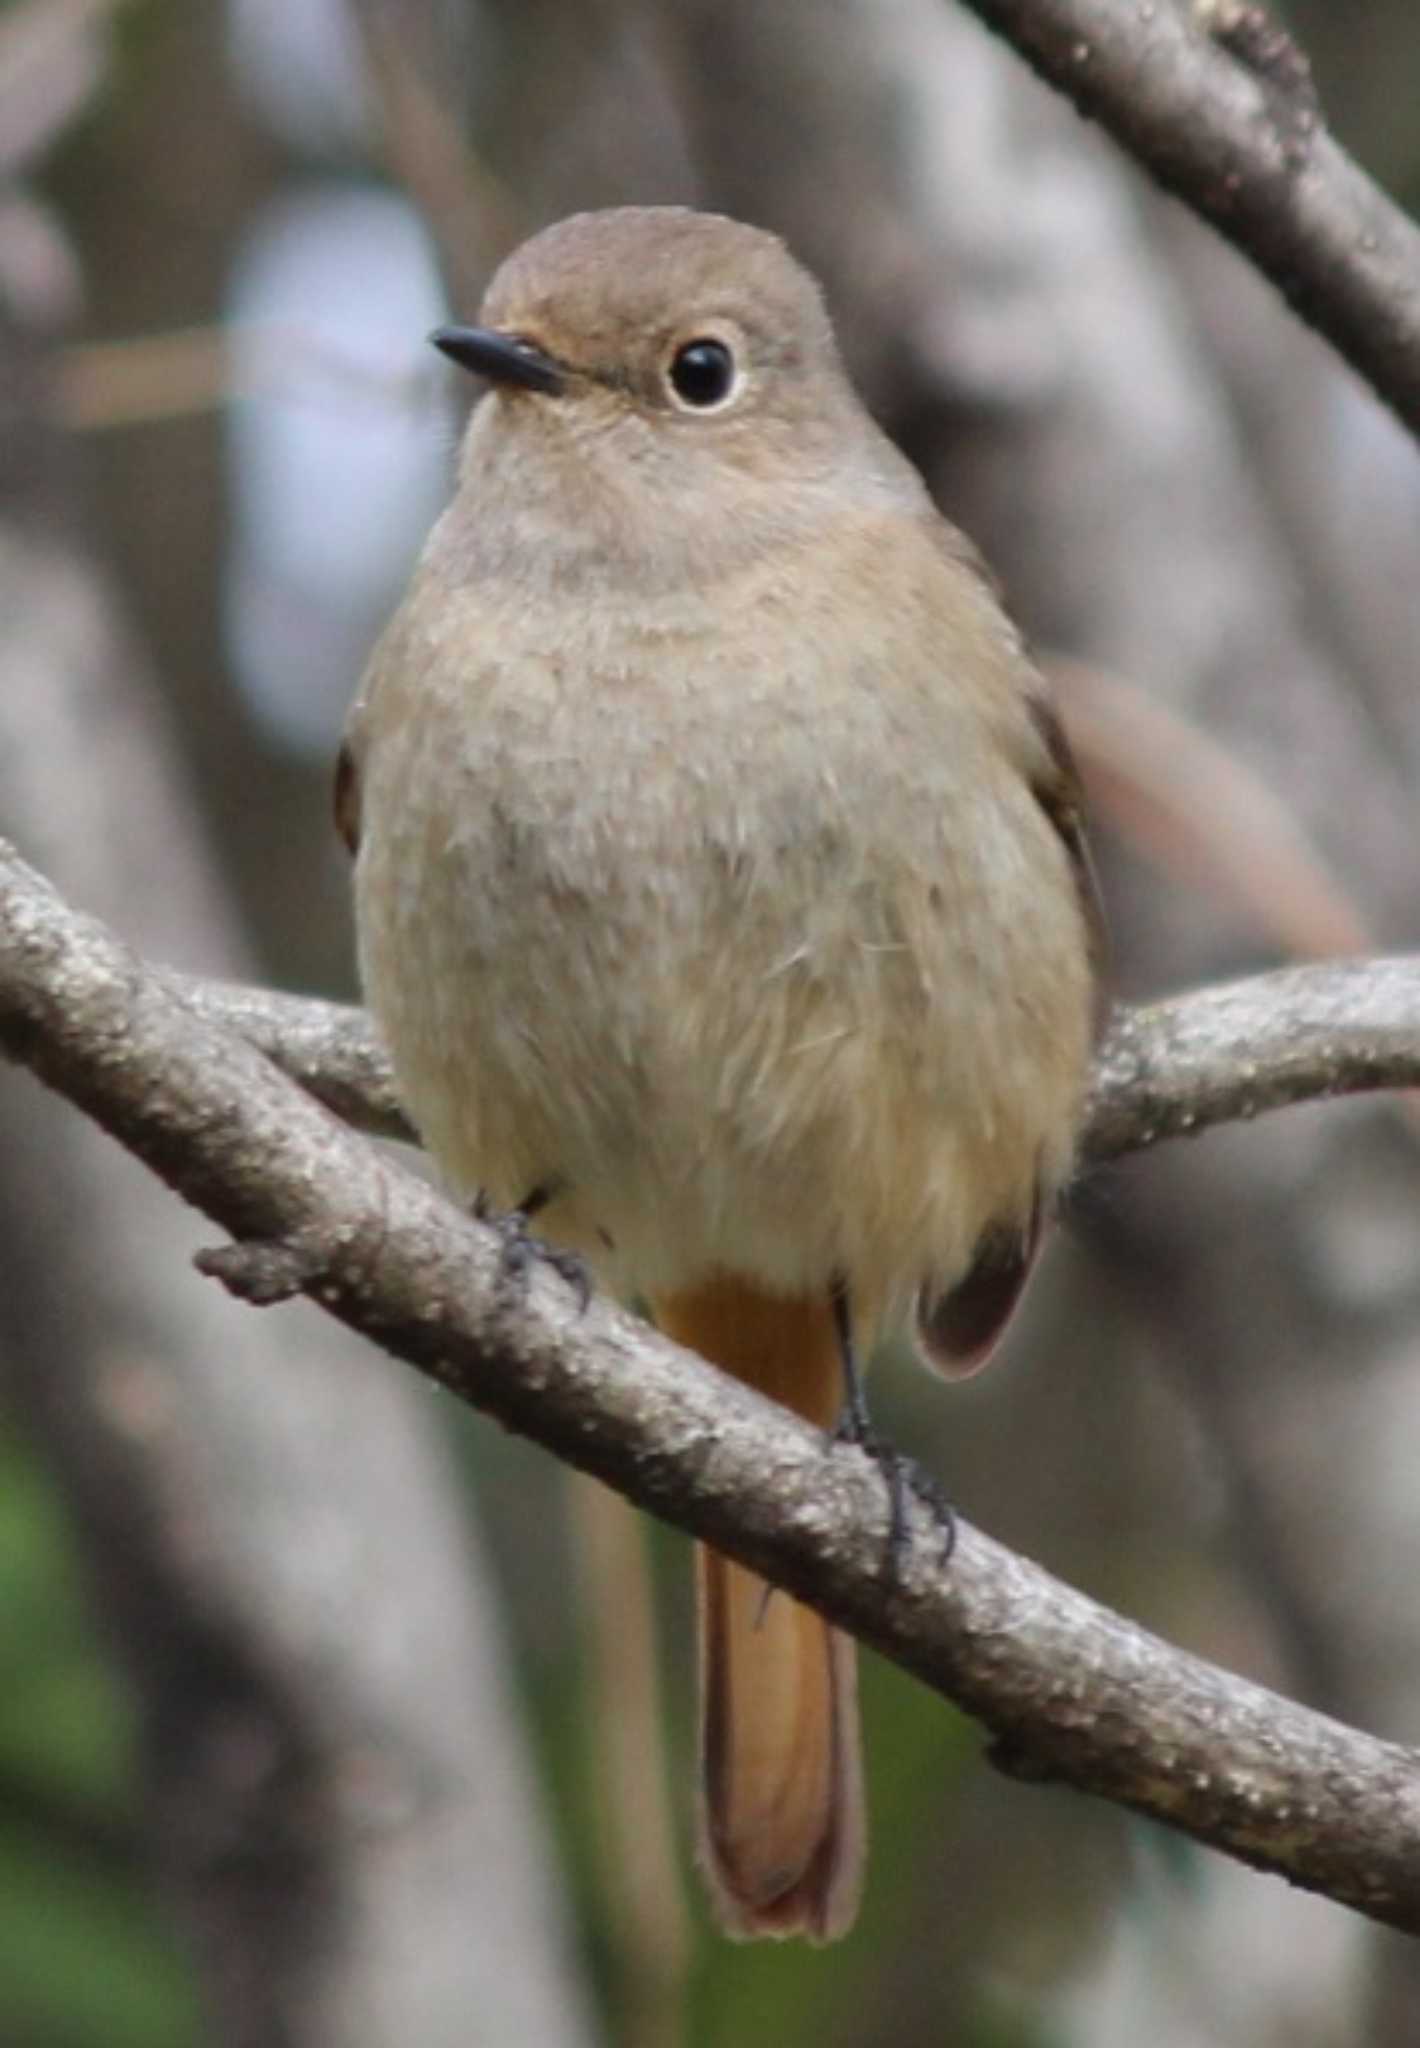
501 358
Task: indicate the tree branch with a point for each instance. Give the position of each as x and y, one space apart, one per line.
328 1047
1069 1690
1217 103
1227 1054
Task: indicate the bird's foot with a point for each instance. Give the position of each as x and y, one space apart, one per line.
903 1477
521 1250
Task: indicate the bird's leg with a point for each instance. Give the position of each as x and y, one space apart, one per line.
521 1249
899 1473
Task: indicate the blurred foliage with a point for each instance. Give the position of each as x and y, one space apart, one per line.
84 1957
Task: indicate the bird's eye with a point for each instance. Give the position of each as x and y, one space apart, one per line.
704 374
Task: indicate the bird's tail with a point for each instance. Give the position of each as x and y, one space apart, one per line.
782 1833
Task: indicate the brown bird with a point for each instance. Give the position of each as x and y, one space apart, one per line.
722 898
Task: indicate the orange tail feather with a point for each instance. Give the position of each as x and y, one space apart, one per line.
781 1816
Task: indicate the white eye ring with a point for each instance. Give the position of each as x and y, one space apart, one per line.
704 375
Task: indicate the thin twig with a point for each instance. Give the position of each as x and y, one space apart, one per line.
146 378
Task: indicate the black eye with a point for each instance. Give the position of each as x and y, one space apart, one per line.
703 373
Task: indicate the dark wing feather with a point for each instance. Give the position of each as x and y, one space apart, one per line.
1061 797
959 1330
347 799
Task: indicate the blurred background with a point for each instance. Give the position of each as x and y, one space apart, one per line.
330 1715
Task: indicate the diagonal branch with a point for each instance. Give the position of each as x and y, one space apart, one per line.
1069 1690
1215 101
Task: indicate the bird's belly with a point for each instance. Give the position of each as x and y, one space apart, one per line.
705 1070
729 1015
599 1044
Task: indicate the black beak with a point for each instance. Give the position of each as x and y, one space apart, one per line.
501 358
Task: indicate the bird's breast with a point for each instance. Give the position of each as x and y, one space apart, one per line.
749 954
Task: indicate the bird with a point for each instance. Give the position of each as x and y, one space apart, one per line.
723 899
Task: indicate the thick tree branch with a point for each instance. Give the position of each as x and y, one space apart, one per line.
328 1047
1166 1070
1069 1690
1223 1055
1215 101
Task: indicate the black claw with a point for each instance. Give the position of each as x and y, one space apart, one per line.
931 1492
571 1268
900 1475
538 1196
521 1250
